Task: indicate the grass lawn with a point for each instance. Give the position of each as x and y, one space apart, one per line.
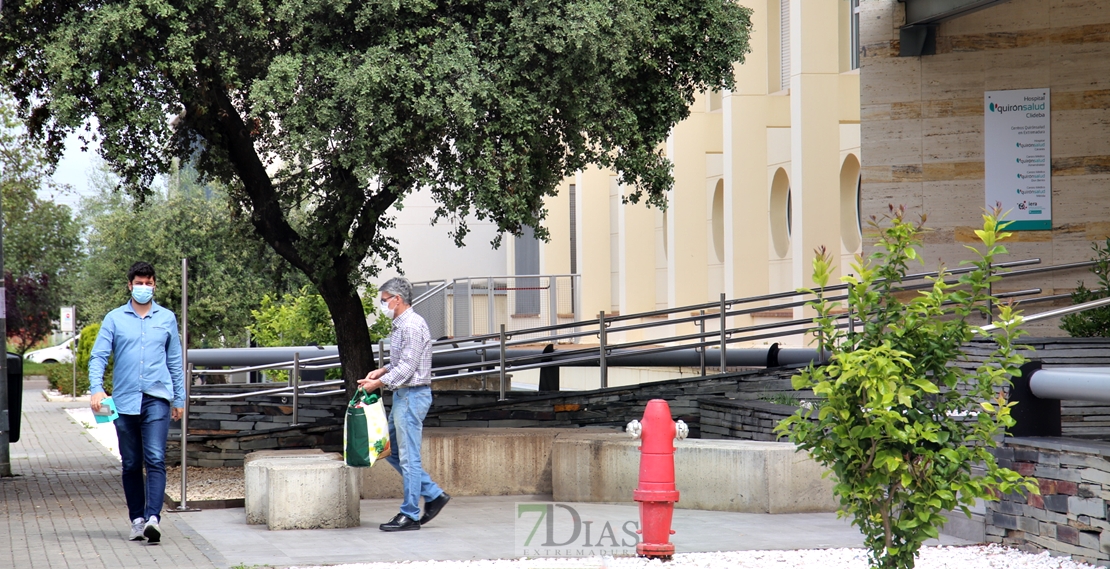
32 368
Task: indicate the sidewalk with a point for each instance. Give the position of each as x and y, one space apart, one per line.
65 506
65 509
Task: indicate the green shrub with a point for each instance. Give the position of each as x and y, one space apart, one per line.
84 352
1094 323
60 377
902 429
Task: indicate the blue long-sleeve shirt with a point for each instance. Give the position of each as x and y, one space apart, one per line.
148 357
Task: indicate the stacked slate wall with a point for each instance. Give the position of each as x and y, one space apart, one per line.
751 420
1069 516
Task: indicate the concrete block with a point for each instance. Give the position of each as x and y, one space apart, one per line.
256 481
722 475
309 494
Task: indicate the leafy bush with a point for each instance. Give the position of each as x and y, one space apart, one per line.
84 352
901 428
1094 323
60 377
303 319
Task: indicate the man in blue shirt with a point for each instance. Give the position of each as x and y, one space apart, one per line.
148 387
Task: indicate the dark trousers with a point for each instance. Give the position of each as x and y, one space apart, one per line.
142 442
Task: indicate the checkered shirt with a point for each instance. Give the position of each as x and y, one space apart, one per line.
410 352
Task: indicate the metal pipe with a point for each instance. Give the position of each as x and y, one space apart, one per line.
259 356
501 368
295 381
601 354
1083 384
187 380
381 353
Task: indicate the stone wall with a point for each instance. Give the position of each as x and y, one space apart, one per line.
741 419
614 406
922 127
1069 515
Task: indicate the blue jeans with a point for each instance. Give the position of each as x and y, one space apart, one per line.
142 441
406 431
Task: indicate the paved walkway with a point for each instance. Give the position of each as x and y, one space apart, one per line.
64 509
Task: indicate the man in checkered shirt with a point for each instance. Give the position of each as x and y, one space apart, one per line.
408 375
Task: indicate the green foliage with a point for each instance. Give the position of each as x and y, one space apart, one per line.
84 348
302 319
901 428
229 268
319 117
60 377
41 238
1095 322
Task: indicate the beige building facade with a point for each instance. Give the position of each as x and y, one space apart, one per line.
924 139
764 174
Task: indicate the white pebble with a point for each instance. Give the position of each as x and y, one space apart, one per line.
972 557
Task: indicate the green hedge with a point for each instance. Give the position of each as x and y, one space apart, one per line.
60 377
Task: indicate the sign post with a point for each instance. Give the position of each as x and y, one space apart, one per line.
67 325
1018 156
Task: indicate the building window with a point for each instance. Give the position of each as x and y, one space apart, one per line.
784 44
781 203
854 35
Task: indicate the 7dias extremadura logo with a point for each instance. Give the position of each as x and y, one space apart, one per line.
547 529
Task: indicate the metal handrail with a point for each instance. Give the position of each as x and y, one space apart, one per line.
1064 311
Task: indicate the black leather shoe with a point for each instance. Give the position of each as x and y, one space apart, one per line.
431 509
400 522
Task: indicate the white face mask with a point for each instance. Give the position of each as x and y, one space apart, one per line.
386 309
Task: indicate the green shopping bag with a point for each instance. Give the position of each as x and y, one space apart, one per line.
365 430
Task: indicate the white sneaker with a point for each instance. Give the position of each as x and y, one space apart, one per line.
137 529
151 530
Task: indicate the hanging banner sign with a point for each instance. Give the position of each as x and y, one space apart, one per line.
1018 157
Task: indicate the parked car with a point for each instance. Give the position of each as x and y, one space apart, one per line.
62 353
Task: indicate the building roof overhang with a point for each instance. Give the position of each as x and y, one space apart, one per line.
918 36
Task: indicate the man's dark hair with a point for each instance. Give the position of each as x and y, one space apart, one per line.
140 269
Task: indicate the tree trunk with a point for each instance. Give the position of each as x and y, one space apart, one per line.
356 351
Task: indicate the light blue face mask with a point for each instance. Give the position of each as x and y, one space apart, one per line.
142 293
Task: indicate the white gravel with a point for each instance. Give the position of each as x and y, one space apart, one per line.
973 557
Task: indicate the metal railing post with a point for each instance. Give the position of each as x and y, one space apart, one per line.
553 302
724 326
183 505
490 312
295 381
501 367
381 353
603 364
701 350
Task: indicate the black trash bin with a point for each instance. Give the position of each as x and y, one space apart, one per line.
15 395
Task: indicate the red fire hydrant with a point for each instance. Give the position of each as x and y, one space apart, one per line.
656 492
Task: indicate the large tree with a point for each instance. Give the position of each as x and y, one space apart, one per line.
340 109
41 238
230 270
